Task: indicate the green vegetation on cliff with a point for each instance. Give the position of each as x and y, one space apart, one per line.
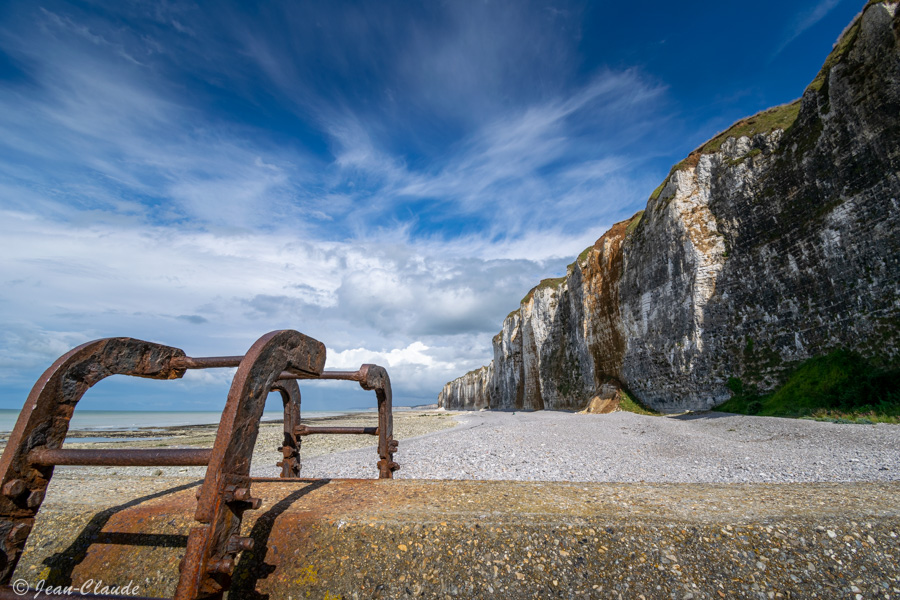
584 254
841 48
554 282
635 221
841 386
779 117
629 404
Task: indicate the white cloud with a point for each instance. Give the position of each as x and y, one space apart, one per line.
420 309
414 354
130 205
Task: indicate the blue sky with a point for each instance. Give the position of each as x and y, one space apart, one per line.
387 177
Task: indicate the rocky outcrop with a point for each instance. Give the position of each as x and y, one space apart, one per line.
776 241
609 397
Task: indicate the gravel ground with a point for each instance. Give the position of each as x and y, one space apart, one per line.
623 447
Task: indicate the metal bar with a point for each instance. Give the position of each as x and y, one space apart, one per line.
341 375
219 362
131 457
206 362
345 375
304 430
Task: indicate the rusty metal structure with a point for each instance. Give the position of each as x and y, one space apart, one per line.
274 363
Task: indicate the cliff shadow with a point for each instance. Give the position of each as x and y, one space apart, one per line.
702 416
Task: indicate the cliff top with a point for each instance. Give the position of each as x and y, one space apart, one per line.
778 117
552 282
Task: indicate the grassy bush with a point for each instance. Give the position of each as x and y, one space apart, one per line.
842 386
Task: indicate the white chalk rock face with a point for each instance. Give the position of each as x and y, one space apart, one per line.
776 241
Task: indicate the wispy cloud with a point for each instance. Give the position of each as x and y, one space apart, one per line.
155 182
804 21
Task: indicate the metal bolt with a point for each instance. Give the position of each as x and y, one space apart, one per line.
242 494
224 566
14 488
237 543
18 534
34 499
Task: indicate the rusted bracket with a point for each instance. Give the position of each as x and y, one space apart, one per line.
225 494
372 378
273 363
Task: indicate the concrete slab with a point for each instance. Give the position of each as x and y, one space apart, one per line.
480 539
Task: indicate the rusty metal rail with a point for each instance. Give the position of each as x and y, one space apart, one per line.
274 363
304 430
126 457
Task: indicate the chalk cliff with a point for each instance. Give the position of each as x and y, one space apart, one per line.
775 241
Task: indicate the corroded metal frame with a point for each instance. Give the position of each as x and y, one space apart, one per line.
273 363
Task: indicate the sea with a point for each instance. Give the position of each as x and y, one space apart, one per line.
109 420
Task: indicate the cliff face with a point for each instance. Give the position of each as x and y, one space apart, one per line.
776 241
469 392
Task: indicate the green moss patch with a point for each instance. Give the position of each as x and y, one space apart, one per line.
779 117
584 254
655 194
553 282
841 386
840 50
635 221
629 404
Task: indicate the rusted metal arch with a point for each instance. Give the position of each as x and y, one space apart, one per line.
35 444
375 378
44 422
274 363
225 494
290 447
370 378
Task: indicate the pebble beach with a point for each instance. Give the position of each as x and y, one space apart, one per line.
557 446
689 506
626 447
